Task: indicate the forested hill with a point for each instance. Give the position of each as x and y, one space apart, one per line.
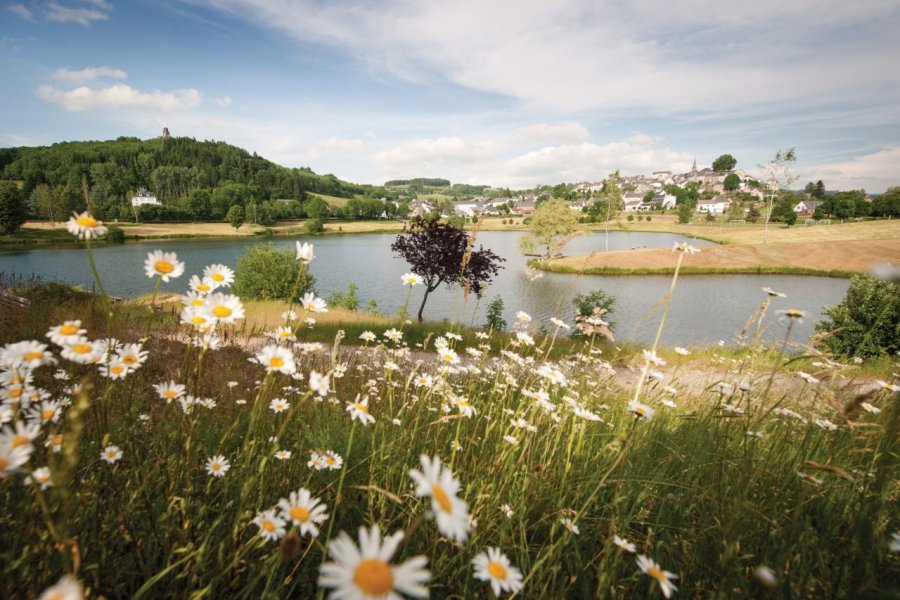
170 167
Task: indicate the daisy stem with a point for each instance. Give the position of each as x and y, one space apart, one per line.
90 253
337 501
155 291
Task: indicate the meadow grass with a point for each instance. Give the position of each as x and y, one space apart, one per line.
554 460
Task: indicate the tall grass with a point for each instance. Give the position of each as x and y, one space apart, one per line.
712 488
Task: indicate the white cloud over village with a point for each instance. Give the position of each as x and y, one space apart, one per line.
118 96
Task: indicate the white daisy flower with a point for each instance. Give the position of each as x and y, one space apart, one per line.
67 588
226 308
12 457
40 477
367 336
570 525
84 226
271 525
305 252
28 354
313 304
279 405
165 265
394 335
411 279
493 566
220 274
641 410
202 286
319 383
304 511
664 578
217 466
169 390
60 334
359 410
438 482
624 544
111 454
277 359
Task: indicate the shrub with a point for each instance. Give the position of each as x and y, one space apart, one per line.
630 218
494 315
116 235
267 273
587 305
866 322
314 226
648 218
339 299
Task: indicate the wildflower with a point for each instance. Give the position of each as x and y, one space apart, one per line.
200 317
411 279
111 454
20 435
507 510
319 383
202 286
304 511
84 226
891 387
359 410
226 308
668 402
807 378
685 247
220 274
511 440
870 408
13 456
332 460
67 588
826 424
423 380
393 335
585 414
279 405
570 525
524 338
681 351
47 412
465 407
277 359
624 544
313 304
895 542
641 410
794 314
362 572
448 356
552 375
523 317
437 481
651 357
764 576
493 566
664 578
6 414
367 336
283 454
309 322
288 316
271 526
169 391
28 355
164 264
559 323
40 477
305 252
217 466
773 293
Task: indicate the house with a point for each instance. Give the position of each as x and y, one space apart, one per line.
526 206
144 197
808 207
634 204
418 208
714 206
660 201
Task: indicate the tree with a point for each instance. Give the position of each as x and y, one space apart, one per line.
235 216
888 204
778 177
724 163
819 190
267 273
553 224
753 214
866 322
732 182
440 253
684 213
13 211
495 320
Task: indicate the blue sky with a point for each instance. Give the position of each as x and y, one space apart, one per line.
501 92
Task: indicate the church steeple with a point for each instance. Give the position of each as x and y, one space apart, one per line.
694 167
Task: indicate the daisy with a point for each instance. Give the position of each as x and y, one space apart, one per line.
111 454
316 461
313 304
12 457
585 414
367 336
279 405
132 355
28 354
507 510
217 466
641 410
493 566
20 435
283 454
681 351
684 247
48 412
169 391
870 408
332 460
277 359
792 314
67 588
305 252
363 572
624 544
664 578
85 226
193 298
164 264
570 525
40 477
523 317
559 323
202 286
227 308
81 350
271 526
6 414
438 482
393 335
60 334
115 370
282 334
511 440
319 383
411 279
359 409
222 275
304 511
200 317
448 356
651 357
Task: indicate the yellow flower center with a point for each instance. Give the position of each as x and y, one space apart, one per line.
68 330
57 440
202 287
218 277
329 460
497 571
640 410
169 394
130 359
298 513
111 453
657 574
3 463
55 596
198 320
216 467
197 302
116 369
164 267
373 577
222 311
276 362
19 440
47 414
87 221
82 348
15 392
440 496
34 356
269 526
362 408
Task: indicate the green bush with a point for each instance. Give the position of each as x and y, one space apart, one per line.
314 226
866 322
116 235
586 304
495 319
339 299
266 273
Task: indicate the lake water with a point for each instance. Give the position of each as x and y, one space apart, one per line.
705 308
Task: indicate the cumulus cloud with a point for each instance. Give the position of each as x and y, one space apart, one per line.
224 101
88 74
83 15
432 156
543 133
118 96
331 147
21 10
873 172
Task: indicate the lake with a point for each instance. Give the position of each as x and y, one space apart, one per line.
705 308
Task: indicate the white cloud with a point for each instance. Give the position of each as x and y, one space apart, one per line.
873 172
82 15
433 157
88 74
224 101
21 10
331 147
542 133
119 96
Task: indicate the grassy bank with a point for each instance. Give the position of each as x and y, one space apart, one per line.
555 458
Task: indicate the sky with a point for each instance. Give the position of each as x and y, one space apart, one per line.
508 93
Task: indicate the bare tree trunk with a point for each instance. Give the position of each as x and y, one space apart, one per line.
422 306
